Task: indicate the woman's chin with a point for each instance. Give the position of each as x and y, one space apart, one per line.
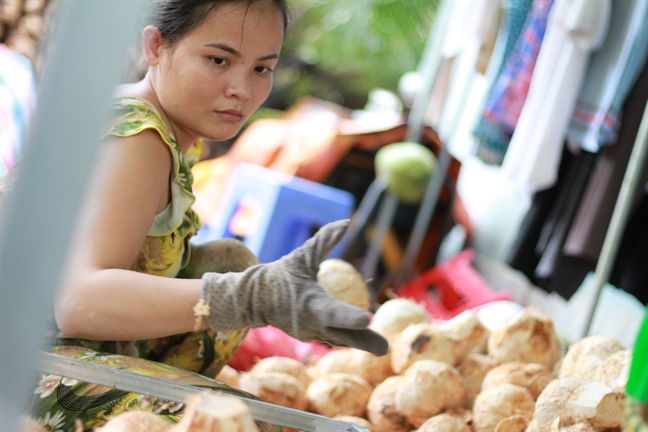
222 135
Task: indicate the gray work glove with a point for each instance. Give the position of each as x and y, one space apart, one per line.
286 295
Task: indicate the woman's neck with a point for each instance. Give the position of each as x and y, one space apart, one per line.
145 89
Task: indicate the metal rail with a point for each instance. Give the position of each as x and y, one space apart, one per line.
124 380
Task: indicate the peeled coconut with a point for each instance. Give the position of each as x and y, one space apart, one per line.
496 313
381 407
209 411
428 388
615 370
507 407
284 365
423 342
338 394
370 367
462 412
135 421
357 420
571 424
341 279
517 422
445 422
469 330
367 366
228 375
585 356
394 315
335 361
574 397
473 370
276 388
533 377
529 337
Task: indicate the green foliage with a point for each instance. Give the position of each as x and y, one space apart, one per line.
339 49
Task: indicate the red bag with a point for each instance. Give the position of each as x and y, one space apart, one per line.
457 287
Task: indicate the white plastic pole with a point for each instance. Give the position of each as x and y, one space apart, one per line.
84 57
620 215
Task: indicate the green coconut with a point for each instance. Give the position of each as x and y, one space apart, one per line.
406 168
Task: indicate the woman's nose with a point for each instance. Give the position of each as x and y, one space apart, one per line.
239 87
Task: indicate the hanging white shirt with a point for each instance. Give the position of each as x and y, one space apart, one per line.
472 24
611 74
575 28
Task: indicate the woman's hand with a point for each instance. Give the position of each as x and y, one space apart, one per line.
285 294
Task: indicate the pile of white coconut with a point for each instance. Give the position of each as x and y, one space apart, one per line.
455 376
458 375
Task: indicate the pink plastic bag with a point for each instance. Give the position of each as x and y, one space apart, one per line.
270 341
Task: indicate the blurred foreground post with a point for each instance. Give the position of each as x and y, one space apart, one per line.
83 61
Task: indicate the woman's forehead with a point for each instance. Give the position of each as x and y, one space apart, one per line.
239 20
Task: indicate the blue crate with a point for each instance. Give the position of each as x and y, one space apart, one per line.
283 211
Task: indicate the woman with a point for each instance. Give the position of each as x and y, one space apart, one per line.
210 66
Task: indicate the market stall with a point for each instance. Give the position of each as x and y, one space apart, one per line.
493 365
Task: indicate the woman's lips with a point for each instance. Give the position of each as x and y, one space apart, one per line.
230 116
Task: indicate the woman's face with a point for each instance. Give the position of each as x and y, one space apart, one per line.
216 76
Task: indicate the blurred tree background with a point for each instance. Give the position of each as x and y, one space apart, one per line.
337 50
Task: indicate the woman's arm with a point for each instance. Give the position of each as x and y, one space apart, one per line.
100 298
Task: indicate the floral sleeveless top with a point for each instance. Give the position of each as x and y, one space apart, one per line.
166 249
195 358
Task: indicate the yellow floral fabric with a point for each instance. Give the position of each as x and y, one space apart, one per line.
166 249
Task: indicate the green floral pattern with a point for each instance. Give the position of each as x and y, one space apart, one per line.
92 405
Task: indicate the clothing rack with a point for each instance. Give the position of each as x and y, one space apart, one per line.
429 68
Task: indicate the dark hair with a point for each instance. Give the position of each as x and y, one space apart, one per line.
176 18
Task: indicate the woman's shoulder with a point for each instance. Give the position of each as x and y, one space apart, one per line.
132 115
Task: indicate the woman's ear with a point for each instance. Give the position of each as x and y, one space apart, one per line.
152 40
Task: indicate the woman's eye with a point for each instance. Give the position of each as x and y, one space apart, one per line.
219 61
263 69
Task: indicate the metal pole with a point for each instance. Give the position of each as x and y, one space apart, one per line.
82 64
424 217
178 392
385 217
619 216
428 68
359 220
